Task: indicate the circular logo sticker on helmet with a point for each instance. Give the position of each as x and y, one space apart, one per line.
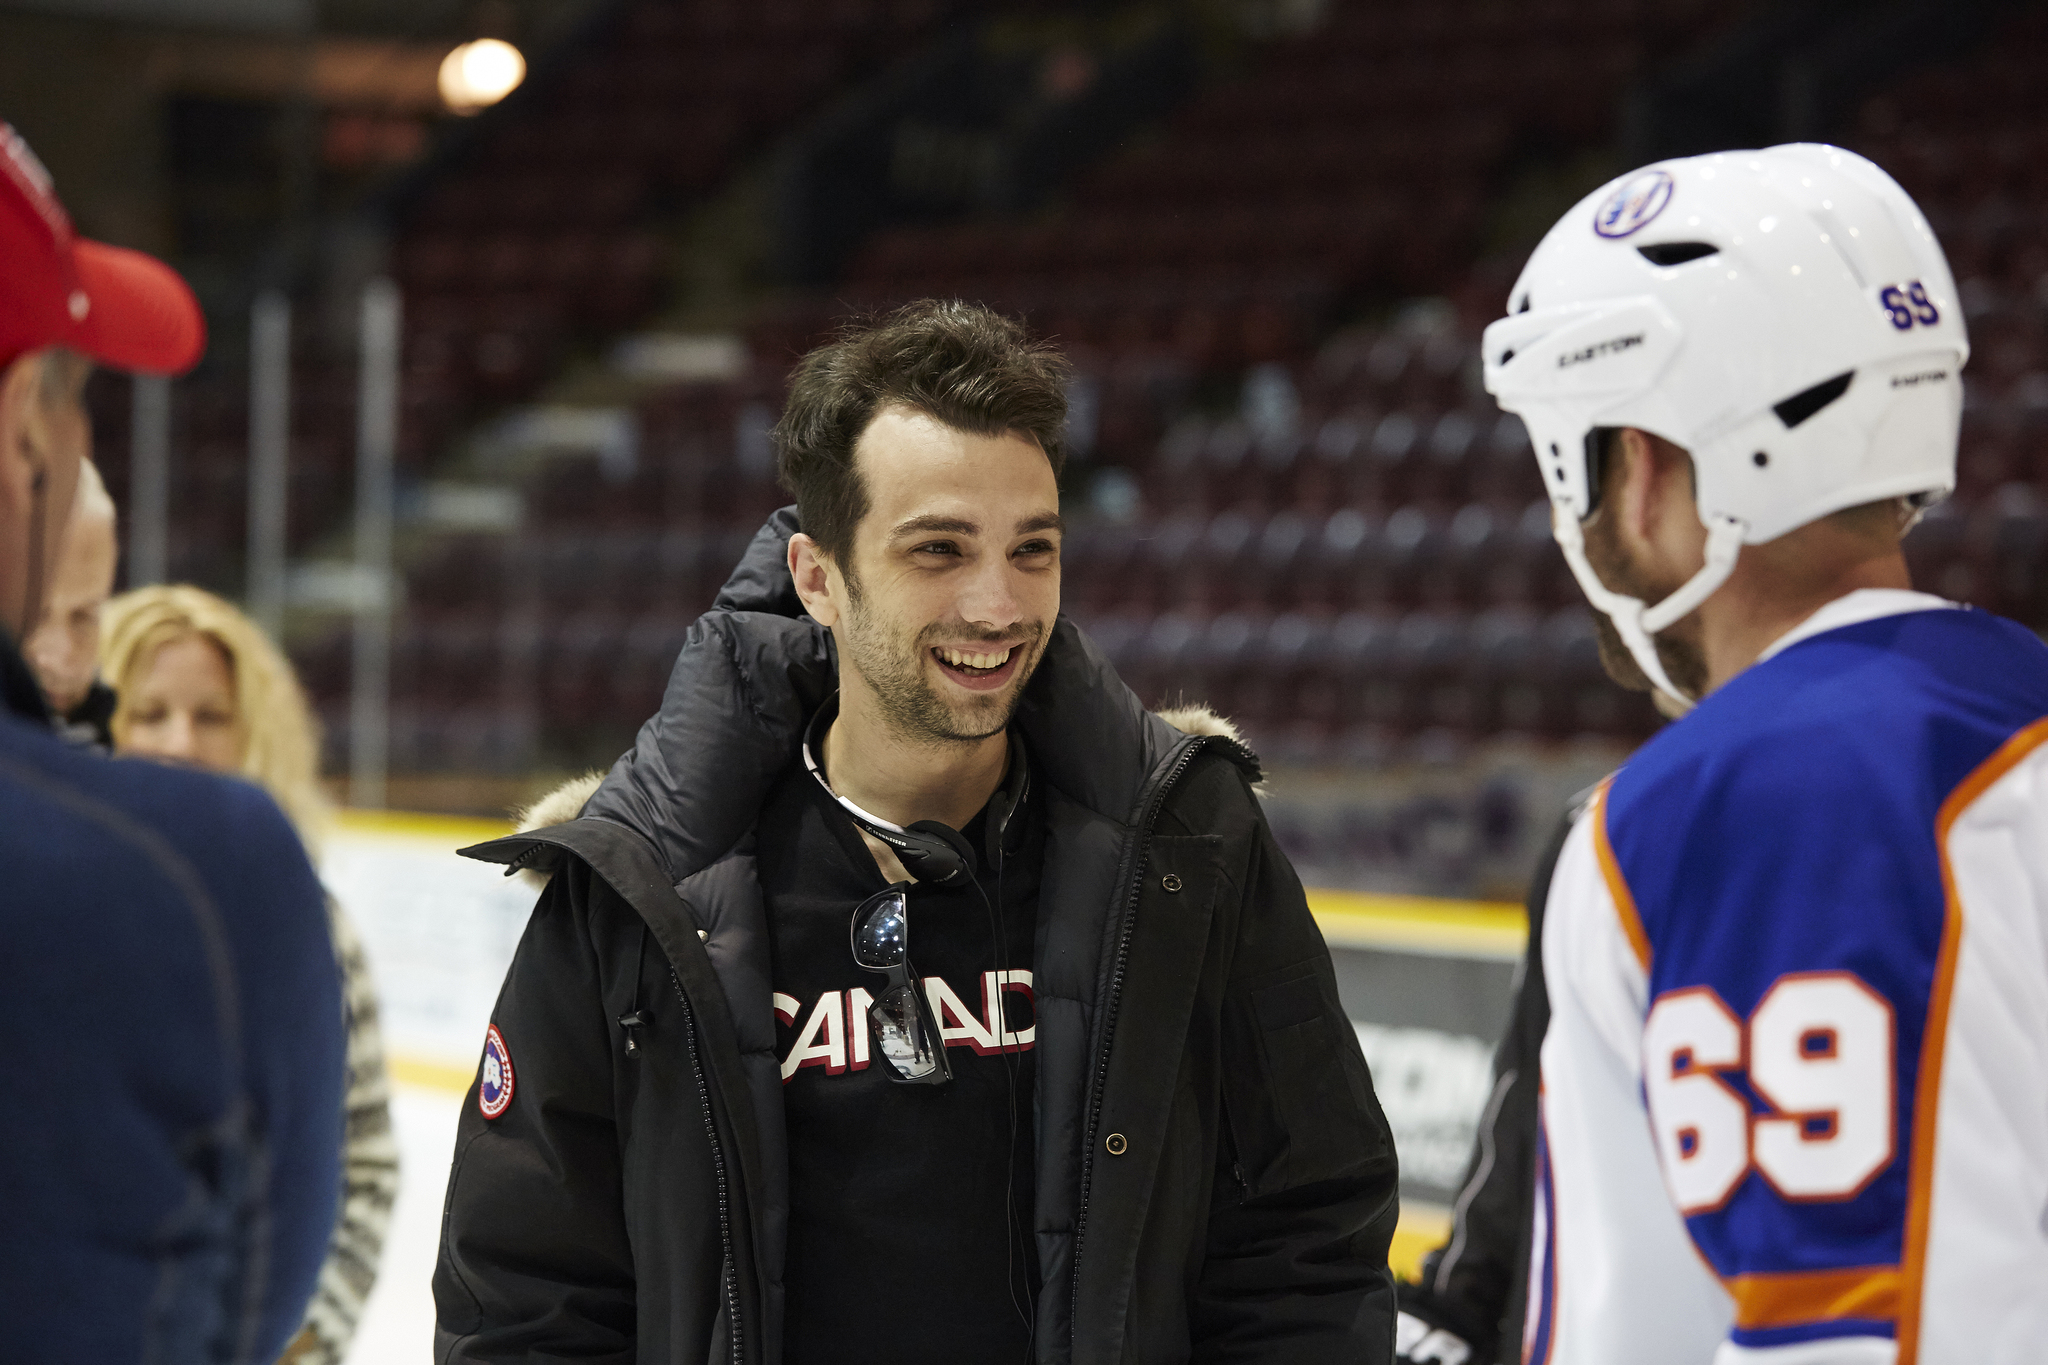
1639 199
495 1090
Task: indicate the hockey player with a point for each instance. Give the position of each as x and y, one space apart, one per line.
1795 1082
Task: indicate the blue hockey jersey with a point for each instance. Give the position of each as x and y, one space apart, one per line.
1796 1081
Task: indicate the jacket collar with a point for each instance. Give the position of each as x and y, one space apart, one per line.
754 670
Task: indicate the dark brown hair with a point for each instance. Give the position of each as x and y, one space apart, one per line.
960 363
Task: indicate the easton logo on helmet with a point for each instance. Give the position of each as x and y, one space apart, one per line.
1601 348
1639 199
494 1091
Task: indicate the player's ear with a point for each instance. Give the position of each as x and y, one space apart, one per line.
1632 487
811 570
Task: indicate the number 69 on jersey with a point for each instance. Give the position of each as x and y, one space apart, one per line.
1802 1092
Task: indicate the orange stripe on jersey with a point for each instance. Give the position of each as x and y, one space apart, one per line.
1927 1096
1798 1297
1617 887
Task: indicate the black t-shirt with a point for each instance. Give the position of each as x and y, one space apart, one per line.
899 1247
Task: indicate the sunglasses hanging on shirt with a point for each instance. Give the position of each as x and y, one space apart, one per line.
906 1033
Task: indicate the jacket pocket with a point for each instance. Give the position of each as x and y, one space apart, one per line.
1299 1096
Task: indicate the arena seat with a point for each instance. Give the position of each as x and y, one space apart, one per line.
1373 576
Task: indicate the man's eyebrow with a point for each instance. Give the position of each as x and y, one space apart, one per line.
934 525
960 526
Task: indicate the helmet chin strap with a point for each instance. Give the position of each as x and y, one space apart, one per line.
1637 623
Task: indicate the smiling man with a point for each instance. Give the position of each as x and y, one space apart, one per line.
909 993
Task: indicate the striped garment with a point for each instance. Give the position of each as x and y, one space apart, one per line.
369 1169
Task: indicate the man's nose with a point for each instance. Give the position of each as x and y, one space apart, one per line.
990 596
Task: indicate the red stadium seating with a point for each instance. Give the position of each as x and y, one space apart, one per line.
1368 577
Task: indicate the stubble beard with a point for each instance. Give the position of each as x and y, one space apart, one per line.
1678 646
911 707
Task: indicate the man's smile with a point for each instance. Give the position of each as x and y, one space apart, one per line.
978 670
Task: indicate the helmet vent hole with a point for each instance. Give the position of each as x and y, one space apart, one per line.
1760 459
1523 306
1676 253
1807 402
1553 451
1506 356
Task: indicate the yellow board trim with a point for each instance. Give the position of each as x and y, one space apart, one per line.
1423 1228
456 831
430 1074
1421 924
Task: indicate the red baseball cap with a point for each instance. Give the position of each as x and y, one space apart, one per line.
118 306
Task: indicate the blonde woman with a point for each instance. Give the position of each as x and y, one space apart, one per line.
199 684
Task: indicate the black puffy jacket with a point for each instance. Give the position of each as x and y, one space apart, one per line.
632 1205
1477 1283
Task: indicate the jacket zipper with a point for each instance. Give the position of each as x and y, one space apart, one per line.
732 1269
1116 986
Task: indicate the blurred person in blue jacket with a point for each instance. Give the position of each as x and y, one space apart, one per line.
199 683
169 1003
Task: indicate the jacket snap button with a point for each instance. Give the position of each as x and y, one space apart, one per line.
1170 882
1115 1144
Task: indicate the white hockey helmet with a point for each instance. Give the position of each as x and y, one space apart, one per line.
1785 315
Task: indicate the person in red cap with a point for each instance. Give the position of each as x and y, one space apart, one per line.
64 303
172 1063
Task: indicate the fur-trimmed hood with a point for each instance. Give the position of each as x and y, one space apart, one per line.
558 807
561 805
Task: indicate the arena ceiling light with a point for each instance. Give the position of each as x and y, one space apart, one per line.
479 74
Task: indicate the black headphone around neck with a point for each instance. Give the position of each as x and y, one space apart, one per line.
930 851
